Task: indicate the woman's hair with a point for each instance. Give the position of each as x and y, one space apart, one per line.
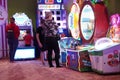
12 18
28 31
48 14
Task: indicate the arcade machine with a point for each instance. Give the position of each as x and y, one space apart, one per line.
3 19
25 24
94 21
73 26
78 58
92 27
73 19
59 13
105 57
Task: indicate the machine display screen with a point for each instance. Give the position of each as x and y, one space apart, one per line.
73 19
25 53
22 34
87 22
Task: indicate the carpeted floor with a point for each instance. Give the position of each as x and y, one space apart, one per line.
34 70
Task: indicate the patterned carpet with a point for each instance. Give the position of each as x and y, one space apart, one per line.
34 70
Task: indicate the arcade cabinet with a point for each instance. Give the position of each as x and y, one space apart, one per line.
73 26
92 27
59 13
25 24
105 56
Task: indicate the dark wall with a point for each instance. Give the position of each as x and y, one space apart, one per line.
113 6
30 7
26 6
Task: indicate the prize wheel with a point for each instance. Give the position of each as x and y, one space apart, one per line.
73 21
87 22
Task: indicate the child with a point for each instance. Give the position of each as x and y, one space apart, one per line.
28 38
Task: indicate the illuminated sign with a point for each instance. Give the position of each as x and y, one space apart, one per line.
25 53
49 1
38 1
22 19
3 15
42 6
59 1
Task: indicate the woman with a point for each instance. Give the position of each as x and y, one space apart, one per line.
51 38
40 39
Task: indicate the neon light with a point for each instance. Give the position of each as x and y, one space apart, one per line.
3 15
21 19
59 1
25 53
42 6
49 1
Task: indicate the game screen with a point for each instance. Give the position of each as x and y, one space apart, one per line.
25 53
87 22
22 34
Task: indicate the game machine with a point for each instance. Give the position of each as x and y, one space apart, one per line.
74 55
105 57
90 23
94 21
66 42
59 13
25 24
3 19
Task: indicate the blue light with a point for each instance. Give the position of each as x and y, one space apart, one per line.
59 1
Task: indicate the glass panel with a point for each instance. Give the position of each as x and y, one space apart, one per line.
87 22
73 19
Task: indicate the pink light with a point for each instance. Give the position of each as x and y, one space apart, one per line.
115 19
